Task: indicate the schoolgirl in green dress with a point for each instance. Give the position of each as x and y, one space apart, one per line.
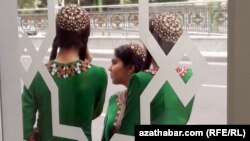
81 86
127 59
166 107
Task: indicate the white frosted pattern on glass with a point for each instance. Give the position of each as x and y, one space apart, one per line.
28 74
199 67
37 64
168 64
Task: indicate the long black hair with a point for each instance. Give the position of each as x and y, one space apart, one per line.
129 57
148 61
71 39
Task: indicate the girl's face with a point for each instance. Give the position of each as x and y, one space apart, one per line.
119 73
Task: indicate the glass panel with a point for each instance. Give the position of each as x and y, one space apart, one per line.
206 25
205 28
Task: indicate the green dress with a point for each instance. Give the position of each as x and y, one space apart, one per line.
166 107
114 115
81 98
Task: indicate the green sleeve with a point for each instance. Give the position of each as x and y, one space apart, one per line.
104 134
29 107
132 111
189 107
102 93
186 77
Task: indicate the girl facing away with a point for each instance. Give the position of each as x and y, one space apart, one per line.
81 86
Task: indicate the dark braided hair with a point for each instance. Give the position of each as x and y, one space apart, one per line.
71 33
131 56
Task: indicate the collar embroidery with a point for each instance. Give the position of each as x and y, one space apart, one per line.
182 71
62 70
121 104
